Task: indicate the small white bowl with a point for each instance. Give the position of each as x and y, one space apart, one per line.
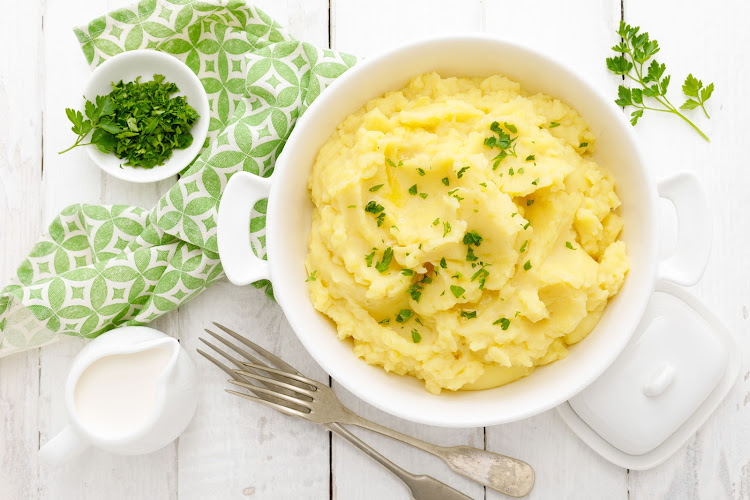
146 63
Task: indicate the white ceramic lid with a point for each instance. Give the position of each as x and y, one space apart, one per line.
680 364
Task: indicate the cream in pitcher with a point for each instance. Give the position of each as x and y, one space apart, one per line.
130 391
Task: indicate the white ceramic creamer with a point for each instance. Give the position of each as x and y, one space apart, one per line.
130 391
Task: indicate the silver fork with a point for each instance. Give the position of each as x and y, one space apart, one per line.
288 391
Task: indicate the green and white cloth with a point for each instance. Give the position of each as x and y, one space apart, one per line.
100 267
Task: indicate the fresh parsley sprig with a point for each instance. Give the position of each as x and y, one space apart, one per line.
636 49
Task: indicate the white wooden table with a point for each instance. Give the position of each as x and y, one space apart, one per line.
233 449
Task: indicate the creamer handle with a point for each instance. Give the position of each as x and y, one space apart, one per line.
240 264
63 447
694 229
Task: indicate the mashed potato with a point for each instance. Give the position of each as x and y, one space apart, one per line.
462 232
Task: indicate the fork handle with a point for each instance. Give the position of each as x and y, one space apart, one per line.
507 475
420 487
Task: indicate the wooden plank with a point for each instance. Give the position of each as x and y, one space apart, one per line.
20 223
73 178
365 28
545 441
234 448
716 462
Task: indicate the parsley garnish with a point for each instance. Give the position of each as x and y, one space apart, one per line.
527 265
569 245
457 291
436 221
635 51
469 314
583 144
470 255
523 247
376 210
446 228
383 264
407 272
385 321
445 181
483 184
481 275
375 188
420 171
443 264
535 181
510 171
413 190
473 238
390 162
529 203
531 158
137 122
423 195
521 170
312 276
352 206
503 322
460 173
553 124
504 142
404 315
369 257
415 336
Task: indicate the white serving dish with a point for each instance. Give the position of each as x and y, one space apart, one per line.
127 66
289 212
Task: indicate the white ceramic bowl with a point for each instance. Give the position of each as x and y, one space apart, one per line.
146 63
289 212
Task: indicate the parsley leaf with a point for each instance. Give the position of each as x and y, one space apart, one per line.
469 314
415 336
420 171
383 264
503 322
527 265
445 181
375 188
460 173
634 52
457 291
413 190
404 315
312 276
569 245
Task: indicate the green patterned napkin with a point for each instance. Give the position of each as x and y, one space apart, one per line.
100 267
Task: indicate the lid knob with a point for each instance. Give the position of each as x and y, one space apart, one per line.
659 380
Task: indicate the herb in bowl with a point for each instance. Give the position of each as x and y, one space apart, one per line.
137 122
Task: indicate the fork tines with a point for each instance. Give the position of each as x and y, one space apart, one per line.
276 384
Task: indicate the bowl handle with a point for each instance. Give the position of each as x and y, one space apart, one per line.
240 263
694 229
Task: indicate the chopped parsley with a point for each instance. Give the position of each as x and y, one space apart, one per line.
527 265
446 181
377 210
369 257
510 171
407 272
443 264
470 255
569 245
523 247
511 128
504 142
446 228
413 190
473 238
583 144
483 184
481 275
535 181
531 158
383 264
503 322
312 276
529 203
385 321
404 315
521 170
352 206
415 336
527 225
420 171
457 291
436 221
554 124
469 314
375 188
423 195
460 173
